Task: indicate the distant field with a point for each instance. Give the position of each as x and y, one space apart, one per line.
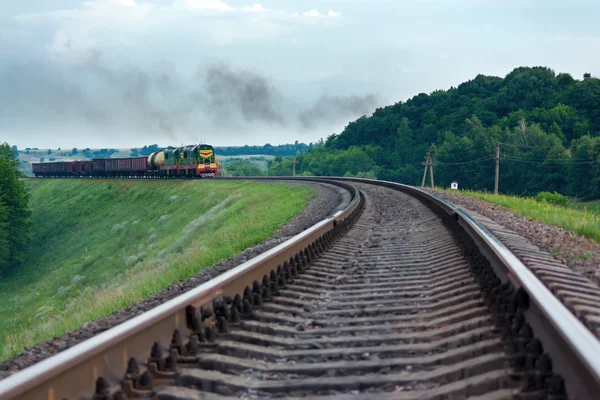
63 154
574 219
101 245
266 157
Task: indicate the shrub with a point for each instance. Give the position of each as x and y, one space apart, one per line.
368 175
552 198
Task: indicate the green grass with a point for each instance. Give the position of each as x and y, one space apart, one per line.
584 222
101 245
591 206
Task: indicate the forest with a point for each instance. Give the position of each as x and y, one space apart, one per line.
14 212
547 126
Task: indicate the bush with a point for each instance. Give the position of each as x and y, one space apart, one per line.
552 198
367 175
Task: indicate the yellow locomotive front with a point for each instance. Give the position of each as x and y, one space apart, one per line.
195 160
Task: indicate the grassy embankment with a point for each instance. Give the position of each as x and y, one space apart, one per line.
584 221
590 206
101 245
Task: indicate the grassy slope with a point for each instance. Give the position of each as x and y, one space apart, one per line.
584 222
591 206
103 244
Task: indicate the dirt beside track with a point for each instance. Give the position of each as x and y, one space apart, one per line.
567 247
329 199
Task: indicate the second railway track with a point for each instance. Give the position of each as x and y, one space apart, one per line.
389 299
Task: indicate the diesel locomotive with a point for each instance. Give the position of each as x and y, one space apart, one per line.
195 161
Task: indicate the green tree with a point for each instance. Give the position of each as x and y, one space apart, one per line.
280 166
404 141
14 212
538 117
4 227
240 167
74 151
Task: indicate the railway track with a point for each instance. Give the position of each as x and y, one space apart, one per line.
399 295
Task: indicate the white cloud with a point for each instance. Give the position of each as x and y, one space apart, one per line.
216 5
98 10
124 3
69 48
77 31
316 14
311 13
255 8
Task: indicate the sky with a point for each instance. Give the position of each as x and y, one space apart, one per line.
125 73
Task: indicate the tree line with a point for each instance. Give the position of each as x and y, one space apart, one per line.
267 149
547 126
14 211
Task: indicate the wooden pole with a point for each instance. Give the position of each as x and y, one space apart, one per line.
294 167
497 169
431 171
425 171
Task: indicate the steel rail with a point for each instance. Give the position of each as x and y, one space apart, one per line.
73 373
575 351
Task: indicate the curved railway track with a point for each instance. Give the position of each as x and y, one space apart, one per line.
400 295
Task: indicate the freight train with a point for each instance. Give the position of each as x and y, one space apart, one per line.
188 161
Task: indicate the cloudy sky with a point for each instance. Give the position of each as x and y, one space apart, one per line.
120 73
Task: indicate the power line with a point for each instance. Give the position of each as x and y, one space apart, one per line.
553 159
464 162
464 152
522 160
520 145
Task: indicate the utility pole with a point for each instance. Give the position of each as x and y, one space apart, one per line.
431 171
497 158
294 167
428 163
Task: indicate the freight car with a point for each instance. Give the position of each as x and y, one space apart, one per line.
187 161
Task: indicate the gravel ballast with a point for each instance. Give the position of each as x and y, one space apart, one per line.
577 252
329 199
